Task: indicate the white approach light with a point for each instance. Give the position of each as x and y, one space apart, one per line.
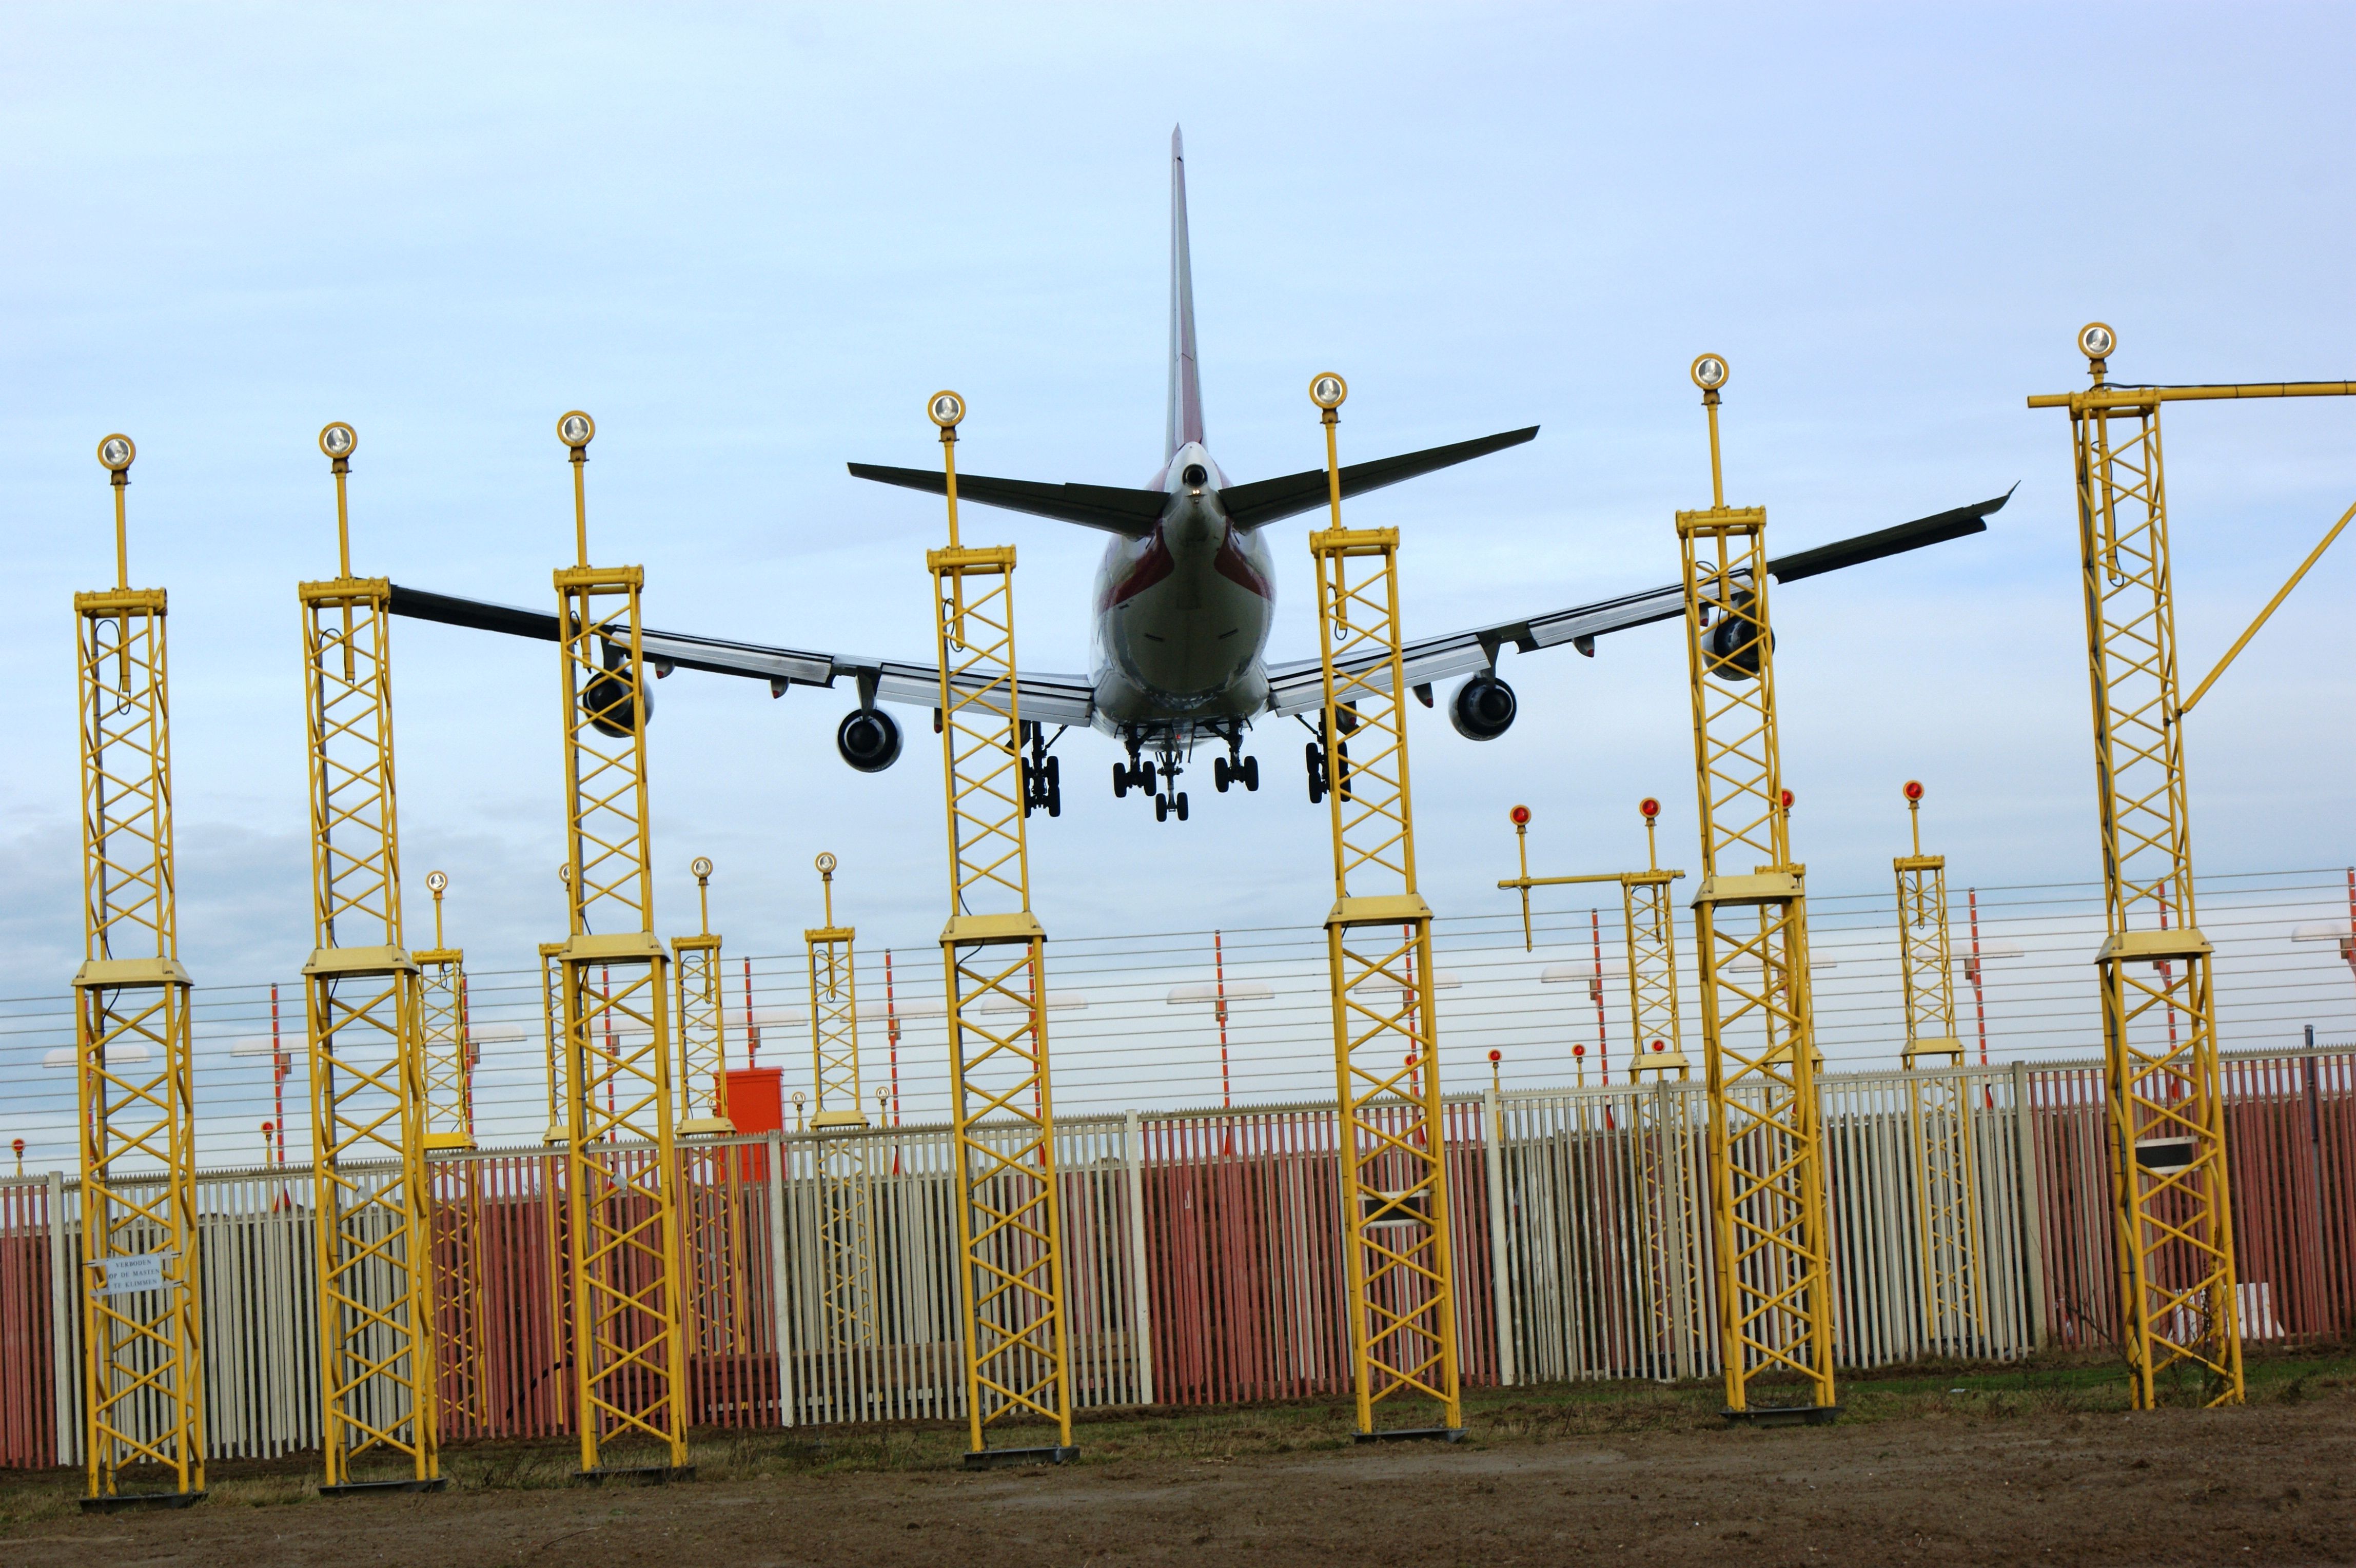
2096 341
1328 391
116 451
947 410
338 440
577 430
1709 371
435 881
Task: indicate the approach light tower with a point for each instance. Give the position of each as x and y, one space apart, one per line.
629 1354
1766 1163
2171 1200
1010 1226
1939 1103
1673 1296
1396 1241
846 1268
446 1048
375 1272
142 1318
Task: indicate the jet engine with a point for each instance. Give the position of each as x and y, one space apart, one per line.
604 699
1483 708
869 739
1731 646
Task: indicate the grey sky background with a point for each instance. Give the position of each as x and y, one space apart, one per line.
752 241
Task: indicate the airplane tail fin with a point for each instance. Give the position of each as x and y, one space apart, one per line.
1185 423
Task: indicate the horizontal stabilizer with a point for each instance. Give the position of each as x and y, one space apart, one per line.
1130 513
1897 540
1265 500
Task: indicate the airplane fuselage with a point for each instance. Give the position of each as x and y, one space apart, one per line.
1183 616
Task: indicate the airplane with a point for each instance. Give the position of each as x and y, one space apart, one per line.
1185 601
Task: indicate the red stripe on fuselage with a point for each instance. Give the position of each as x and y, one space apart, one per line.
1152 567
1236 568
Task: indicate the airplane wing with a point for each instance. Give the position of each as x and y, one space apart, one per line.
1265 500
1047 698
1299 687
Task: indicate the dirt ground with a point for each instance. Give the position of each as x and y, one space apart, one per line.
1983 1471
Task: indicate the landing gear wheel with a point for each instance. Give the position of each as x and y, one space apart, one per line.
1054 775
1314 755
1120 781
1145 776
1162 808
1248 773
1178 804
1221 774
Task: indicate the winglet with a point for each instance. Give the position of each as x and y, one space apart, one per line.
1185 422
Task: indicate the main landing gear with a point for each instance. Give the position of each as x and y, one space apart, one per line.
1043 775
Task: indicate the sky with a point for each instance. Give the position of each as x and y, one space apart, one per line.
752 241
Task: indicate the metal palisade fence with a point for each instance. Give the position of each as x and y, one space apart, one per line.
1203 1262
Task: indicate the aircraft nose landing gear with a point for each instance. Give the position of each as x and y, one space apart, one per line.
1168 806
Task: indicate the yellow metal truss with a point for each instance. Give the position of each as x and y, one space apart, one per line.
1010 1224
1673 1279
846 1238
712 1212
374 1236
143 1349
1391 1140
445 1044
622 1231
551 1022
446 1048
1939 1105
1750 927
2173 1222
702 1033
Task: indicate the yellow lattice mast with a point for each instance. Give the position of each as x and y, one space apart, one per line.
142 1325
1939 1103
846 1239
621 1167
446 1049
1009 1229
374 1231
702 1036
444 1046
2173 1213
551 1019
711 1208
1672 1280
1751 930
1400 1265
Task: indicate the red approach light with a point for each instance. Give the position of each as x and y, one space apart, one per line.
1913 789
1578 1050
1659 1045
1521 815
1788 799
1494 1056
1650 806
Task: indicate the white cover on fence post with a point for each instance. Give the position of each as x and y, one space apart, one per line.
774 1143
1140 1290
1500 1266
64 1328
2033 1218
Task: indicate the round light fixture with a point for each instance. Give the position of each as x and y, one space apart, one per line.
1327 390
1520 815
435 881
1649 807
947 410
564 874
577 430
1709 372
702 868
2095 339
825 863
338 440
116 451
1913 789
